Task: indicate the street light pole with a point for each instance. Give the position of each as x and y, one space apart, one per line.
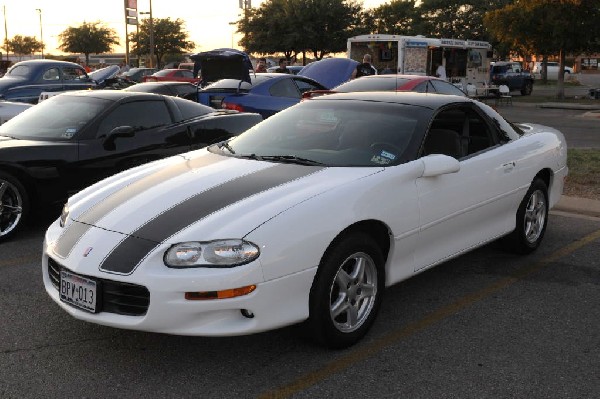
39 10
151 38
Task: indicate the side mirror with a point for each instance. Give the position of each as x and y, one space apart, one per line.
438 164
120 131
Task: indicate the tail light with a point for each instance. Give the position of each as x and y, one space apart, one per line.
235 107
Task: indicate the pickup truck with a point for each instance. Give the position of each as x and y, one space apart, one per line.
512 75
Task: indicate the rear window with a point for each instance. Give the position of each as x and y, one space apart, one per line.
234 83
499 68
371 84
19 70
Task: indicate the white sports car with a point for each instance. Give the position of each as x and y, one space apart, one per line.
308 215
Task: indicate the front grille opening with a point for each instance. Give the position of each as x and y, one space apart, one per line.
116 297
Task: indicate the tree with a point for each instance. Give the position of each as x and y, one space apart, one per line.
22 45
88 38
299 26
460 19
398 17
169 38
531 26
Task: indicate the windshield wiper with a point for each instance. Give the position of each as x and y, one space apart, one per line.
291 159
228 147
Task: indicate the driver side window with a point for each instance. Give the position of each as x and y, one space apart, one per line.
142 115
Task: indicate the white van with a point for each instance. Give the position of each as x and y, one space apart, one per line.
552 70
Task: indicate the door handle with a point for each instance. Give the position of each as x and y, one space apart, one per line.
509 166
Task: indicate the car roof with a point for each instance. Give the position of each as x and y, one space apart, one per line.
427 100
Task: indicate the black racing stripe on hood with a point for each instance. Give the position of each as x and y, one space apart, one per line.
131 251
75 231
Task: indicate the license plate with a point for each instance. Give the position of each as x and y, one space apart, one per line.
78 291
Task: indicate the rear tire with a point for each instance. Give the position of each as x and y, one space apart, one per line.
532 219
347 291
14 205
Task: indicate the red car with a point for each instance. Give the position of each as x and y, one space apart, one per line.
416 83
173 75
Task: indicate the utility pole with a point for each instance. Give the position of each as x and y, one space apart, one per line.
39 10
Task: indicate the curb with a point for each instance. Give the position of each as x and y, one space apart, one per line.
583 206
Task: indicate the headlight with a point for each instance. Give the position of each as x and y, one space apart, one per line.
64 215
219 253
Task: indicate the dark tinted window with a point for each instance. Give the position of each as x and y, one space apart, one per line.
139 114
59 117
305 85
190 109
284 88
442 87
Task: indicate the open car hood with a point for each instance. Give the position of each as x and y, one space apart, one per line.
100 75
330 72
222 63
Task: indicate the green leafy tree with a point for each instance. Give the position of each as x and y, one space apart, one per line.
88 38
531 26
22 45
460 19
398 17
169 37
291 27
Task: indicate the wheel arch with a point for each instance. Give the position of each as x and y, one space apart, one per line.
23 178
546 176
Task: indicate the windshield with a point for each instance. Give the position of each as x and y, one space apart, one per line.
58 118
333 133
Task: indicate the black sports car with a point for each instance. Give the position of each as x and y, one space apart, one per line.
72 140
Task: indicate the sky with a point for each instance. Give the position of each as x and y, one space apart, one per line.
206 21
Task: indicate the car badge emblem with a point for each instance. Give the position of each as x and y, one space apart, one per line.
87 251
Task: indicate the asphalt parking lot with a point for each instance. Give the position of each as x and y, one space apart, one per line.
487 324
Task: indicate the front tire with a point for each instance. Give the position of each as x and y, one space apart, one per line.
14 205
532 219
347 291
527 88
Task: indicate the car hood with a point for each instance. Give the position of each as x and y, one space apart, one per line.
223 64
330 72
220 196
100 75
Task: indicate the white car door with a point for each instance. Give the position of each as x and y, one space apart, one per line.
461 210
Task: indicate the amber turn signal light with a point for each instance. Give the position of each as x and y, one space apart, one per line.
224 294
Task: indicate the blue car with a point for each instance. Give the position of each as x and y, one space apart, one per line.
264 93
26 80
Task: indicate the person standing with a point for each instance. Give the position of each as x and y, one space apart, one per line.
364 69
261 65
282 66
440 72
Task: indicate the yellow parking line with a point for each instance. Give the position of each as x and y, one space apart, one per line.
359 354
20 260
